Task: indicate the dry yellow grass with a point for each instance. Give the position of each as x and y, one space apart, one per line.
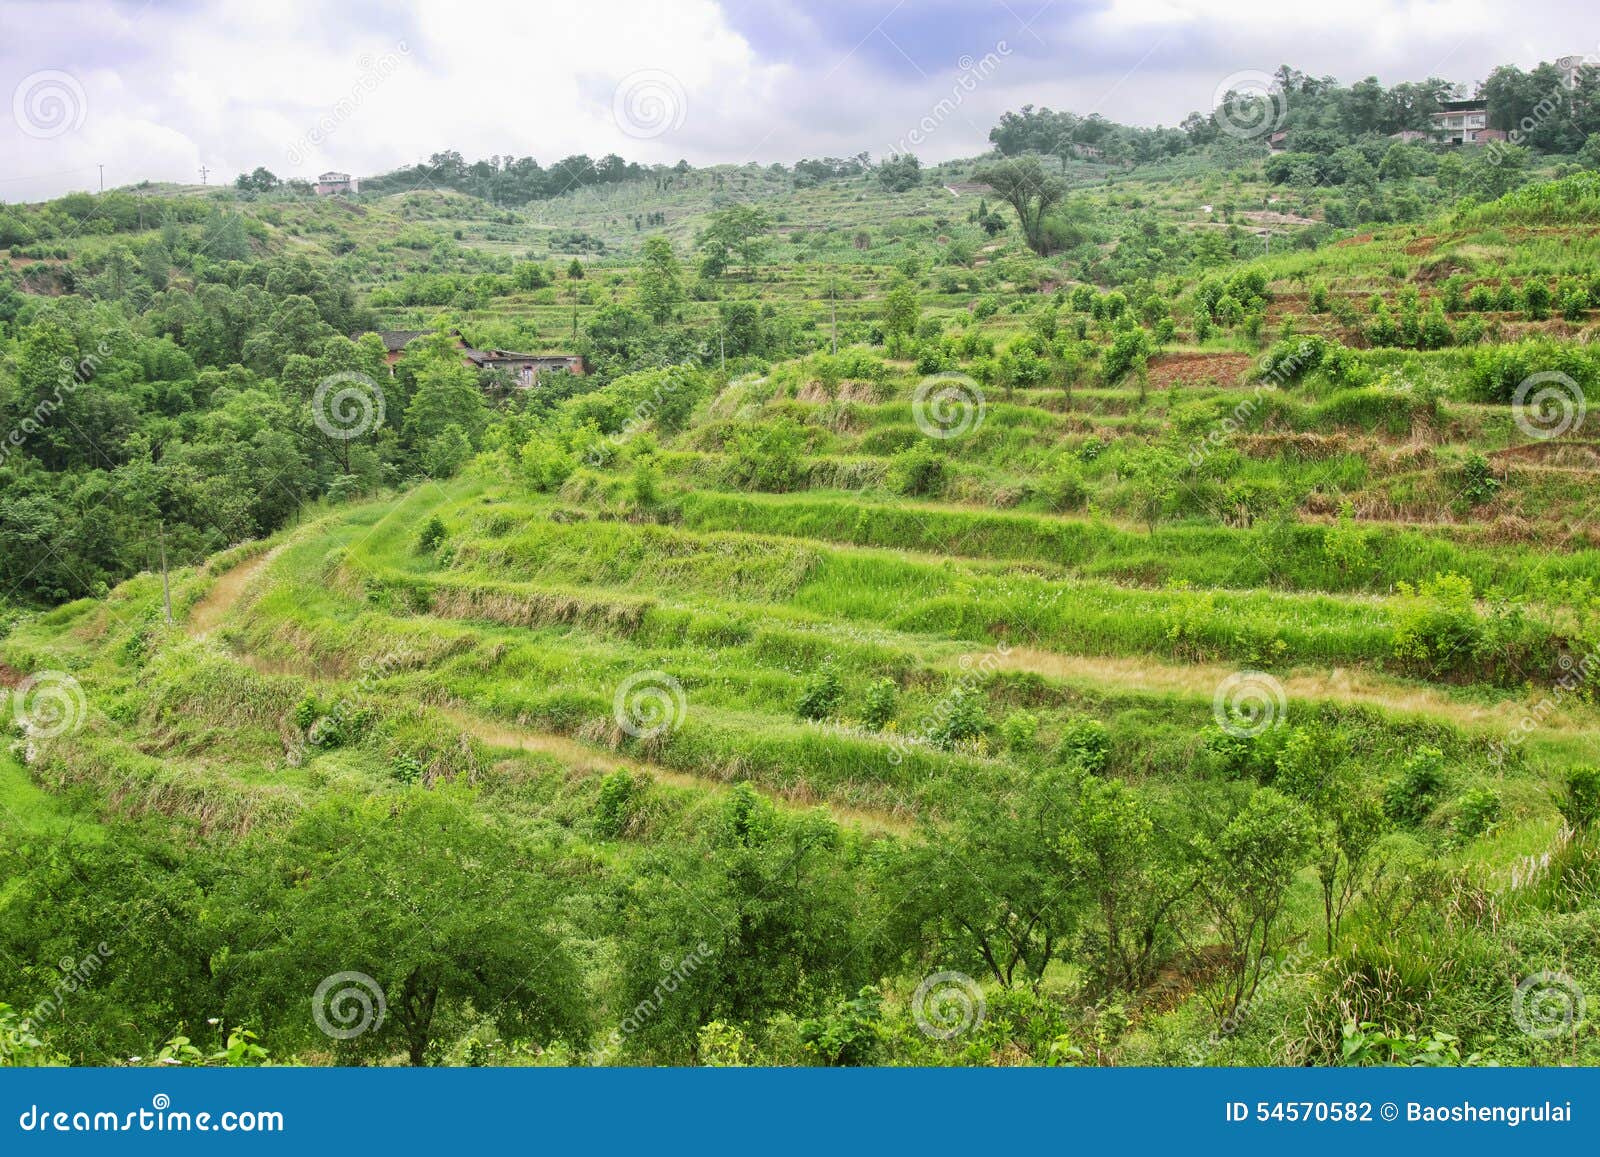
1340 685
587 760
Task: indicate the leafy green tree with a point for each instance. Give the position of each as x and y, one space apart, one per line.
737 232
453 919
1132 882
1244 862
659 283
447 395
1314 767
900 312
900 172
1155 475
762 917
995 887
106 939
1023 184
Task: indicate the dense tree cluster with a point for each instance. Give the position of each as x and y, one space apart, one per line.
506 180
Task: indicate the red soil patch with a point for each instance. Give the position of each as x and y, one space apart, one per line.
1198 368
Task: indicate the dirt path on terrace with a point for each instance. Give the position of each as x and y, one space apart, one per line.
589 760
225 593
1342 685
230 587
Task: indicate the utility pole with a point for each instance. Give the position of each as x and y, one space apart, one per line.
203 172
833 314
102 169
166 589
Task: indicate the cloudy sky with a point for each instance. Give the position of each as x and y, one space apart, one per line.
155 90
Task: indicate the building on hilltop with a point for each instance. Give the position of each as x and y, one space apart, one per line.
1571 68
1462 122
331 182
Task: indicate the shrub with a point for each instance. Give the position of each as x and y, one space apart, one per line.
1084 743
1496 372
406 769
432 535
1410 798
1477 811
918 471
1536 300
1129 350
964 719
879 705
615 805
643 486
768 458
1478 483
820 693
1063 488
1018 732
1579 802
545 465
1436 626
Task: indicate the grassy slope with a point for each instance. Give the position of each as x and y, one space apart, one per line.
497 660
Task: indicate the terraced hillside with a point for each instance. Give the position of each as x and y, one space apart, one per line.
886 634
1100 657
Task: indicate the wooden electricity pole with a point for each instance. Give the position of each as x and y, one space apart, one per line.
833 314
166 588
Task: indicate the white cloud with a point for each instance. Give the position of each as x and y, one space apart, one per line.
302 85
